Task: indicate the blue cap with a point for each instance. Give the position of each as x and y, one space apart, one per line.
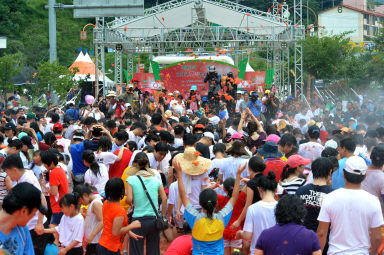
194 87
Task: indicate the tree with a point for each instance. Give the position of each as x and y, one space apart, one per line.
9 67
323 57
53 76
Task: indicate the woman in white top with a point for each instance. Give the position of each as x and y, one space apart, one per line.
260 215
97 174
94 219
104 154
93 112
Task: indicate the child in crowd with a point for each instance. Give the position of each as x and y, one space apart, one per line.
97 174
260 215
230 241
207 226
104 154
94 217
292 177
71 227
115 219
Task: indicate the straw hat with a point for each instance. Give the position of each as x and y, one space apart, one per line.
111 93
191 163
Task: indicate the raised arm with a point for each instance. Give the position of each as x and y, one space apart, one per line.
236 189
183 195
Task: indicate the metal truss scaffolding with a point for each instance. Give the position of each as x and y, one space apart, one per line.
204 26
100 60
298 49
118 67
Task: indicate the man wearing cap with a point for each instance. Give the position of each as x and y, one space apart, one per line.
17 172
354 215
10 132
19 207
312 149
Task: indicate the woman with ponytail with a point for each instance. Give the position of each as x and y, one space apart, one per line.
93 225
292 176
143 210
230 241
97 174
207 226
71 227
260 215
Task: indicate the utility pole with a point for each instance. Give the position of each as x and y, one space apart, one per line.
52 31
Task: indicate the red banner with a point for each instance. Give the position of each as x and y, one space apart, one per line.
183 76
253 81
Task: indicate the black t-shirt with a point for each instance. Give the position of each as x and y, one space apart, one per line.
252 184
312 196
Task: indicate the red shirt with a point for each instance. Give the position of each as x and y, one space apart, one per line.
57 177
229 233
276 165
180 246
117 168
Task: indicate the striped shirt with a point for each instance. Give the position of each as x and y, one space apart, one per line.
3 187
290 186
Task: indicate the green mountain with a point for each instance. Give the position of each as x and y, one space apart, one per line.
25 24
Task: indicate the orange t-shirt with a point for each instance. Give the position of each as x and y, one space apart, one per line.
110 212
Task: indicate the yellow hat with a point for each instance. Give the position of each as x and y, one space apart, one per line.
191 163
267 91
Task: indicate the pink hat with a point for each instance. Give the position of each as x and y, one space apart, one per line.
236 136
273 138
297 160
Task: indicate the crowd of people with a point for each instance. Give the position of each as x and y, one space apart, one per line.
233 172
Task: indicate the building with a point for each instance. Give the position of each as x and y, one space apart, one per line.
357 19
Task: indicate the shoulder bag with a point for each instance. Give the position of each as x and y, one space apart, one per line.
161 221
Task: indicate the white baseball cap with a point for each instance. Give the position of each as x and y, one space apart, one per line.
331 143
356 165
209 135
127 105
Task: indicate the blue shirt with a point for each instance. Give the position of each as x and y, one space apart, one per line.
338 175
207 234
73 113
77 160
255 107
18 242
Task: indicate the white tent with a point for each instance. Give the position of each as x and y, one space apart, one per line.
85 67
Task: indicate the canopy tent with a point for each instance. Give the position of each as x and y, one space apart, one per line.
86 67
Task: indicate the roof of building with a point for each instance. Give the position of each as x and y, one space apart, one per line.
378 14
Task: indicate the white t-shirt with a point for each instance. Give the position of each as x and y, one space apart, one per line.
91 221
214 120
374 184
24 159
260 216
310 150
98 181
133 137
30 177
299 116
352 213
230 165
178 142
196 182
71 229
107 158
174 196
